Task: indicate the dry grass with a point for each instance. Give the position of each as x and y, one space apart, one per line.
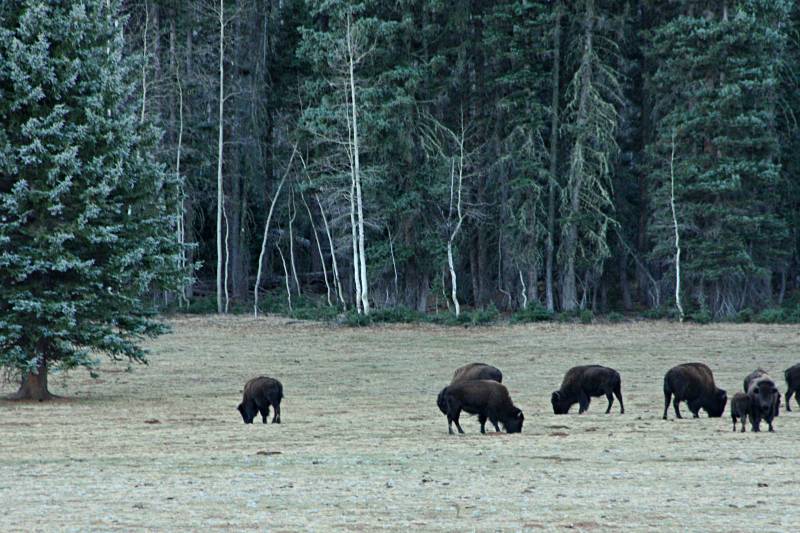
363 446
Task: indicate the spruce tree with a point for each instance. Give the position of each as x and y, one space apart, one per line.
717 83
87 216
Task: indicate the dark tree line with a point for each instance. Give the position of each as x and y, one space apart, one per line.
504 152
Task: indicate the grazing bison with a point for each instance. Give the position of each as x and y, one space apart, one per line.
740 409
792 375
476 371
581 383
764 401
259 394
485 398
694 384
752 376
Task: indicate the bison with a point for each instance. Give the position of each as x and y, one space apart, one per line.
694 384
792 375
474 371
752 376
259 394
740 409
581 383
486 398
764 401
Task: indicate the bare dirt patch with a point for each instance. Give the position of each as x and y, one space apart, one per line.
362 445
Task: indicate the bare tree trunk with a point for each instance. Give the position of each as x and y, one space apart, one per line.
292 215
286 278
333 253
144 62
354 232
551 184
227 256
523 291
266 232
677 235
394 265
357 174
319 249
181 214
220 139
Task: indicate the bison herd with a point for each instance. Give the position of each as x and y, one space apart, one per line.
477 389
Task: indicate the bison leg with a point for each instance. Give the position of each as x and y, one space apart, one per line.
453 416
744 423
675 402
584 401
618 394
788 398
276 419
264 413
667 398
482 420
755 423
733 417
610 399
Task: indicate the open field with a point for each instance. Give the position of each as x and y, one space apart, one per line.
363 446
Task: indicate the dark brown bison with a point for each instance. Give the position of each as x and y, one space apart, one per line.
476 371
752 376
259 394
764 398
694 384
792 375
581 383
485 398
740 409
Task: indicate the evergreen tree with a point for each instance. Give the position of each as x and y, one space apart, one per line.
717 81
87 217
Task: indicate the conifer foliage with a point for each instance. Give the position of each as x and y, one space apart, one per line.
87 216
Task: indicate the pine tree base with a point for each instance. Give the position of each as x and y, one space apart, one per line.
33 387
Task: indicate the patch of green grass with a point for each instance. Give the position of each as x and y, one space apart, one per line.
533 313
615 317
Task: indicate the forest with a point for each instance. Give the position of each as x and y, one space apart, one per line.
611 155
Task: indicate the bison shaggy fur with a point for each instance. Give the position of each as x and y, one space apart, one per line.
740 409
581 383
259 394
486 398
792 375
694 384
764 402
474 371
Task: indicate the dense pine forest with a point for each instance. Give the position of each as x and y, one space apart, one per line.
610 155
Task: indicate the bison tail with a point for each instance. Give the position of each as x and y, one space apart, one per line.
441 401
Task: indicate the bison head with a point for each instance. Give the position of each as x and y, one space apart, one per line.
717 406
560 405
248 412
764 396
514 424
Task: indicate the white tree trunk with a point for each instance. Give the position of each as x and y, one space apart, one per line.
181 230
266 232
333 253
677 235
292 216
394 266
354 232
220 192
524 291
319 249
357 174
286 278
226 268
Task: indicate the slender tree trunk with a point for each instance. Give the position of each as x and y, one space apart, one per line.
677 235
334 263
357 174
319 249
144 61
354 232
292 216
266 232
220 191
286 278
523 291
551 184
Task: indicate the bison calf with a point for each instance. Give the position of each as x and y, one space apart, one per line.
740 409
694 384
792 375
485 398
474 371
581 383
764 398
259 394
